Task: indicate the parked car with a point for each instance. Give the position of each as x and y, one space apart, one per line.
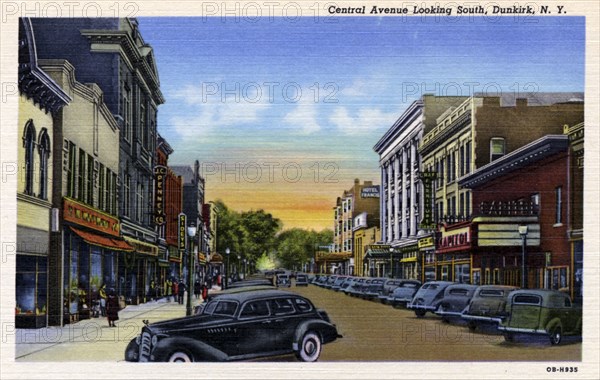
487 306
330 281
374 289
338 283
455 300
301 279
238 326
355 287
283 280
428 297
404 293
347 282
388 287
541 312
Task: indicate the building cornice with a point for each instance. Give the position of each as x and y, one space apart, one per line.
526 155
408 116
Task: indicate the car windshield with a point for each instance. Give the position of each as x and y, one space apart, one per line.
218 307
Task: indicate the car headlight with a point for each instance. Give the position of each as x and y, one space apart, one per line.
138 339
154 340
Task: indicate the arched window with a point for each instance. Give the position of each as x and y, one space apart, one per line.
29 144
44 150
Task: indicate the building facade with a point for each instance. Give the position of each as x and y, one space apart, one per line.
361 198
521 222
401 201
112 53
40 99
363 237
476 132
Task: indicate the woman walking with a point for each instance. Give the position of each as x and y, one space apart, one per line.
112 308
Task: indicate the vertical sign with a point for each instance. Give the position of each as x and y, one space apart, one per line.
182 235
427 178
160 173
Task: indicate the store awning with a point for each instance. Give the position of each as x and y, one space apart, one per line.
142 247
409 260
103 241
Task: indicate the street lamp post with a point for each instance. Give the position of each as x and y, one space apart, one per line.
191 230
523 232
391 262
227 252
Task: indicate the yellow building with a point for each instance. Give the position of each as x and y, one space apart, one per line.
363 237
40 99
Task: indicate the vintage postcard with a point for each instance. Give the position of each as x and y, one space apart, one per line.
355 189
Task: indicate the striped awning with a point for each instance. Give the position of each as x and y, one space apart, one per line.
111 243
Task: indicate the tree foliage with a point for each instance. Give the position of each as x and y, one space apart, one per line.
258 236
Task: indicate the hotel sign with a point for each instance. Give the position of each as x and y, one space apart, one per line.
370 192
427 178
160 174
86 216
182 234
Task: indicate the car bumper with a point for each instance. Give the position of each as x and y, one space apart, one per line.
446 313
522 330
481 318
420 307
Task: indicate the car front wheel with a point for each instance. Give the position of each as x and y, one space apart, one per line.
180 357
556 335
420 313
310 347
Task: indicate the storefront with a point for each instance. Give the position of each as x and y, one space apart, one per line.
378 260
139 269
408 266
92 248
453 254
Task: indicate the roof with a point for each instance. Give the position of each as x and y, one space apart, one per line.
509 99
257 294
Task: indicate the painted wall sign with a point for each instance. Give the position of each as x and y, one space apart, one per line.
370 192
86 216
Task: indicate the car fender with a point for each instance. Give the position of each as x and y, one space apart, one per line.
327 332
200 350
132 351
552 324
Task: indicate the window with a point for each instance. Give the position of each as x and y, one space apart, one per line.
113 194
81 176
126 110
89 194
303 305
467 203
254 310
528 299
468 158
497 148
71 170
44 151
126 194
28 144
281 306
31 288
143 130
139 201
558 193
101 187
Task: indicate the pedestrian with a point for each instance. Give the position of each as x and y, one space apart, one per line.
152 290
168 289
204 291
180 292
197 288
112 308
102 294
175 290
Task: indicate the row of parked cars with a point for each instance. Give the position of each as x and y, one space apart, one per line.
513 311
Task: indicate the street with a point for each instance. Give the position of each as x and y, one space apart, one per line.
371 332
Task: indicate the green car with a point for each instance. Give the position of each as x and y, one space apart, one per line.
541 312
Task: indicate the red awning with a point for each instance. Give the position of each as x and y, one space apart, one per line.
102 241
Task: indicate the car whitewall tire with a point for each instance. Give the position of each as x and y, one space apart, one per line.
310 347
180 357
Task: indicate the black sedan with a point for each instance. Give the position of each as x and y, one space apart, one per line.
239 326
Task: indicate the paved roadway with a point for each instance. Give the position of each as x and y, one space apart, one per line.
372 332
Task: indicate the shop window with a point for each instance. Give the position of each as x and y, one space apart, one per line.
31 285
462 273
497 148
44 151
444 276
476 277
487 278
496 276
429 273
28 144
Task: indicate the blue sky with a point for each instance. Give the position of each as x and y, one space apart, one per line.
224 83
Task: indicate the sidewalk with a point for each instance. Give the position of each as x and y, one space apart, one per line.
93 339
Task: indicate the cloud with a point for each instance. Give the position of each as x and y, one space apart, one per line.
364 121
204 108
304 117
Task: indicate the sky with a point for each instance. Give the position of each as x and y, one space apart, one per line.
283 115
